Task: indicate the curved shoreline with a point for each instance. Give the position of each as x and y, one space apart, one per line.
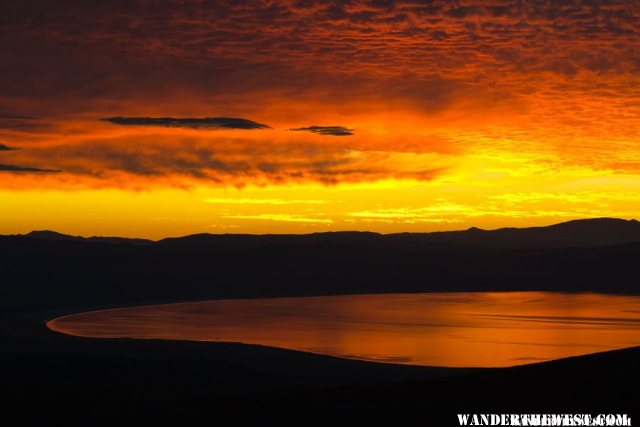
197 322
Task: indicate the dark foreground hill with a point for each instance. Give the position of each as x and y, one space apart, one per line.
82 390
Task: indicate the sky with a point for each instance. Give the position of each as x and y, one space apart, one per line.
156 118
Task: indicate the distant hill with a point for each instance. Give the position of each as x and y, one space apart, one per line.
355 238
52 235
578 233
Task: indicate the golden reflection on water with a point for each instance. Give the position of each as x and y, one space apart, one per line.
441 329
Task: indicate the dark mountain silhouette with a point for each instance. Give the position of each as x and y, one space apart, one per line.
57 271
259 240
587 232
52 235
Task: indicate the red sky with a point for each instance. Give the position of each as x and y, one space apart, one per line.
436 115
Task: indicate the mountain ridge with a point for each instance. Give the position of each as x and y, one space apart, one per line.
574 233
592 256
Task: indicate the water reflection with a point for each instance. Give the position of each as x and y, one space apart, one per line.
445 329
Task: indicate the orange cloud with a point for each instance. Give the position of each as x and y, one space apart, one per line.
505 97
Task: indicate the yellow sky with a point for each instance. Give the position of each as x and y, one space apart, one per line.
485 197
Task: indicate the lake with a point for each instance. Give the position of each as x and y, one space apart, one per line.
484 329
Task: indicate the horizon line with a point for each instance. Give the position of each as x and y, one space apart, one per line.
314 233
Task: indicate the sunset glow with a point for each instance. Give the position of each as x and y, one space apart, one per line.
461 329
155 119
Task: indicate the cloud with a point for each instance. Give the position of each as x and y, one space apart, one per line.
248 201
209 123
170 159
282 217
19 123
14 117
13 168
21 169
422 76
326 130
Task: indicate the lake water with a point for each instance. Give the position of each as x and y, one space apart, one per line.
441 329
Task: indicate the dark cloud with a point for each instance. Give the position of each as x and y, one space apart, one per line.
14 117
192 123
311 32
172 160
327 130
15 122
476 62
13 168
5 148
176 45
